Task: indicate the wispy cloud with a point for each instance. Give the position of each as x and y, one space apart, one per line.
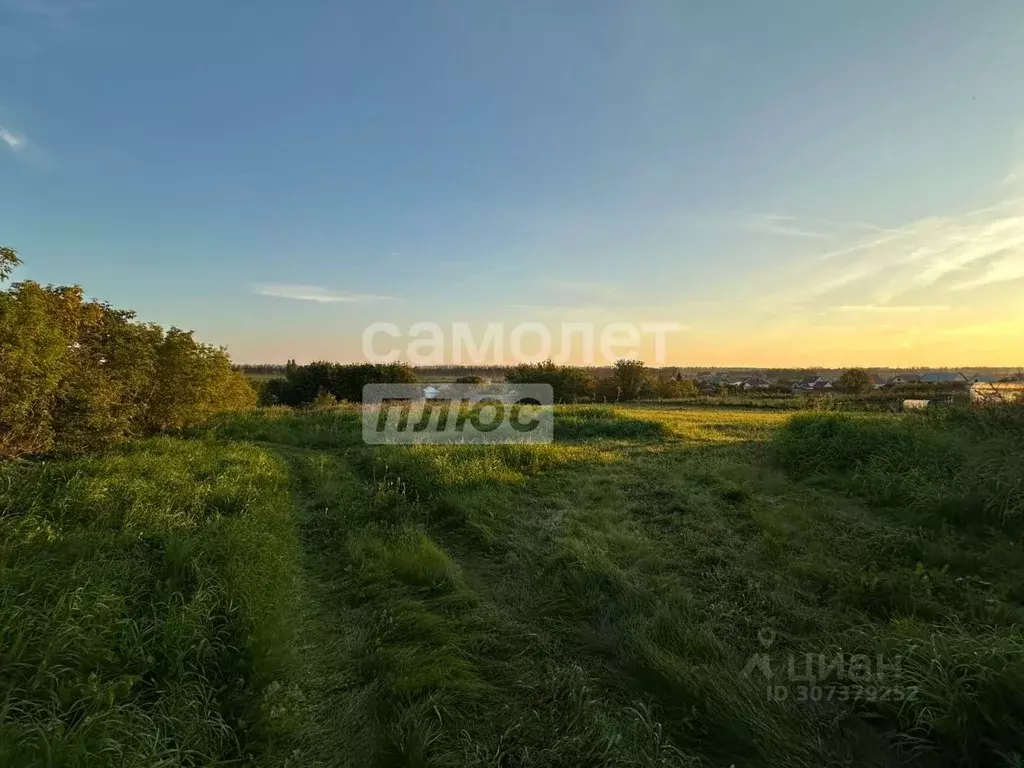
896 309
317 294
772 224
1000 270
864 226
864 245
785 225
14 141
933 255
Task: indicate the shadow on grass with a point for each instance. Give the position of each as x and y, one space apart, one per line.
582 423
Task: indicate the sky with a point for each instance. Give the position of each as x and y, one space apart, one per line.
793 183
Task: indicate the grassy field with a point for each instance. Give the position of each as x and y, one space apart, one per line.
659 587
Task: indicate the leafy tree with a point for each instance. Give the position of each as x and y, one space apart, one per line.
77 374
303 383
676 388
34 343
192 382
855 380
470 380
568 383
631 378
104 387
606 390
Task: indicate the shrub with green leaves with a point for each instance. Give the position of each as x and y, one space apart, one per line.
303 384
78 374
569 384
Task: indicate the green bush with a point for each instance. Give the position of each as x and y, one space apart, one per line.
304 383
675 388
569 384
77 374
632 379
959 465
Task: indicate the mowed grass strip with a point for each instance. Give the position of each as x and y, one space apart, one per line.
556 536
412 661
146 602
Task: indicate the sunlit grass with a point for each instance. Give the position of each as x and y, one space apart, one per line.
591 602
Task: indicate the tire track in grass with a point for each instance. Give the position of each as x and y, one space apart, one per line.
408 663
563 550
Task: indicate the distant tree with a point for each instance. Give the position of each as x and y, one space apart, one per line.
303 383
569 384
676 388
606 390
631 378
855 380
274 392
470 380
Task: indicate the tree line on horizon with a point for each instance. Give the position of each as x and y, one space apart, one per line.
322 382
77 374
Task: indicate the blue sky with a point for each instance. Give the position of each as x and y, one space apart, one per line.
798 183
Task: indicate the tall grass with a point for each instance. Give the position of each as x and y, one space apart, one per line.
146 606
968 704
959 466
958 476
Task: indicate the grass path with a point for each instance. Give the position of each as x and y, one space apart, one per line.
541 592
412 659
